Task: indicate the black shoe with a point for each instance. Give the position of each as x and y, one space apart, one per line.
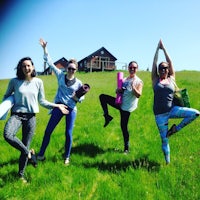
171 131
108 119
33 159
41 158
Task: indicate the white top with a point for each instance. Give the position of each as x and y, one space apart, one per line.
129 100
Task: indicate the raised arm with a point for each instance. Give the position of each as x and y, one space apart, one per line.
48 59
168 59
154 72
44 45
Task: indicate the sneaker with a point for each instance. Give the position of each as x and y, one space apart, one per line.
29 155
32 158
126 150
167 159
66 161
108 119
22 179
41 158
171 131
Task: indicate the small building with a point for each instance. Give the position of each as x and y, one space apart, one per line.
60 64
100 60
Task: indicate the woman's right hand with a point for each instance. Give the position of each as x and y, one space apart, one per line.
119 91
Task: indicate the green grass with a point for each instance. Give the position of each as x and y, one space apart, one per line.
98 168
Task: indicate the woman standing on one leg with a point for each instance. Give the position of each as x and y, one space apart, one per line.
132 90
163 86
27 90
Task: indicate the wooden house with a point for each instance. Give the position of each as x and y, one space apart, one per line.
60 64
100 60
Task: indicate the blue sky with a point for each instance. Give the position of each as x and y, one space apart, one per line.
128 29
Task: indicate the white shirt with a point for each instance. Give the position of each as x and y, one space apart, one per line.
129 100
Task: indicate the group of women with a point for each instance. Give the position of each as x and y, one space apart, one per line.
28 90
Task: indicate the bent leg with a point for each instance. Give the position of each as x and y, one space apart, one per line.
188 115
10 131
106 100
28 130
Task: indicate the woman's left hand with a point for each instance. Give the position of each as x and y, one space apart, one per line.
43 43
137 89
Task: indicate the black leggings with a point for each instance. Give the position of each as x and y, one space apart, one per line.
124 115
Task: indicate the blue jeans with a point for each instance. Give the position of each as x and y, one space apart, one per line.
28 123
55 118
188 115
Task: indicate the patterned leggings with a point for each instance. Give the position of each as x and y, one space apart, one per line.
188 115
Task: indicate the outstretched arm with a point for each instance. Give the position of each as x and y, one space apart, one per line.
154 73
171 68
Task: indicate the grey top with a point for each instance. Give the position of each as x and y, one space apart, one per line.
27 95
163 97
65 93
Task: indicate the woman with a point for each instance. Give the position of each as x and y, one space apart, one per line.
132 90
67 86
27 91
163 80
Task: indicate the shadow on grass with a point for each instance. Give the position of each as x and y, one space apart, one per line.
11 162
90 150
140 163
11 177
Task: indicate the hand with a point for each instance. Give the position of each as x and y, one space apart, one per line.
43 43
161 45
119 90
133 86
63 109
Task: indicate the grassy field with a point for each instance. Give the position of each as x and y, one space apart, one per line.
98 168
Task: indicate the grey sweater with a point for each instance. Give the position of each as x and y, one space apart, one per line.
27 95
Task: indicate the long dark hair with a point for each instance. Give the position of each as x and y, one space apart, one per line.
20 73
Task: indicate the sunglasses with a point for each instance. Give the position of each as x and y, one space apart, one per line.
70 68
131 68
163 68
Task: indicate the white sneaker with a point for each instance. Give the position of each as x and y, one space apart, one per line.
67 161
23 180
29 155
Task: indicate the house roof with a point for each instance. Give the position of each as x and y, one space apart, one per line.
63 61
99 52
